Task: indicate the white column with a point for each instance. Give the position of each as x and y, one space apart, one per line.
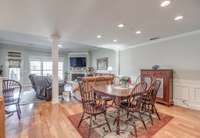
117 62
55 59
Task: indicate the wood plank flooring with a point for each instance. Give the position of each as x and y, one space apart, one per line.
46 120
2 118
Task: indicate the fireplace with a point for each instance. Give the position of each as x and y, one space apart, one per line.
76 76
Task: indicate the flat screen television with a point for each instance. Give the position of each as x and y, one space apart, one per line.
77 61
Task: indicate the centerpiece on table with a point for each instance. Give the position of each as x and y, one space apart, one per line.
125 81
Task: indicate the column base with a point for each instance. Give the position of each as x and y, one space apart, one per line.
55 100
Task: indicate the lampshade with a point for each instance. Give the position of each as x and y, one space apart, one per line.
109 68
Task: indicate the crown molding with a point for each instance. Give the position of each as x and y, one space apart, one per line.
78 53
164 39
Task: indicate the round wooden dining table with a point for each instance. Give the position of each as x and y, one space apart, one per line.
117 93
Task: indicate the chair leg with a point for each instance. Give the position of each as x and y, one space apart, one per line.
114 121
156 112
127 114
70 95
18 111
107 122
81 119
113 102
142 108
142 121
151 118
90 126
135 129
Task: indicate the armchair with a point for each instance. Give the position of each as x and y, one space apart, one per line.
43 86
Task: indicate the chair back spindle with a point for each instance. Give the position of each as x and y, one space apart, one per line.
153 90
11 90
140 87
149 80
134 101
87 97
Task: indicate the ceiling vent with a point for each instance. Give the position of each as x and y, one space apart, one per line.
154 38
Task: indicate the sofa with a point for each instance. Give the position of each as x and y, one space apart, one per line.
42 86
91 81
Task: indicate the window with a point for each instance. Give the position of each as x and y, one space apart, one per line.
14 74
14 69
45 68
35 67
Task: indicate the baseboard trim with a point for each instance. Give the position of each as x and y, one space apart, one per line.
187 104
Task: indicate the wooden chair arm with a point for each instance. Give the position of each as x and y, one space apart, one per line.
2 118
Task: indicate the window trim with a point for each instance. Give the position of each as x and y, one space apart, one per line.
42 67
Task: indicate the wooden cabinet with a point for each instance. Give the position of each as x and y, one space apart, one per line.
2 119
165 93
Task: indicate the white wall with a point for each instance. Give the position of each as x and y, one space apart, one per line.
181 54
101 53
27 54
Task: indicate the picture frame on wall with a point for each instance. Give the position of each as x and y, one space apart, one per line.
102 63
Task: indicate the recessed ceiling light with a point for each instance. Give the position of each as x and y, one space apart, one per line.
99 36
115 40
120 25
138 32
60 45
178 18
165 3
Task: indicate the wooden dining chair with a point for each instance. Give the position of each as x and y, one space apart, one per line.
148 79
92 107
149 99
11 93
138 88
133 104
107 99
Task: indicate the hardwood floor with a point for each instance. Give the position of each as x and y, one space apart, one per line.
2 118
46 120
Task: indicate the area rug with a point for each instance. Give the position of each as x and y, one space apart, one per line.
127 129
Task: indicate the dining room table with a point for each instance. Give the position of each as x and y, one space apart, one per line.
118 93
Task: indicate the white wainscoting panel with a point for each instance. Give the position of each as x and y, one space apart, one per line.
187 93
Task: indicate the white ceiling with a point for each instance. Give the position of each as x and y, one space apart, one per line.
79 21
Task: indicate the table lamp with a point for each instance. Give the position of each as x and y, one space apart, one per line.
110 69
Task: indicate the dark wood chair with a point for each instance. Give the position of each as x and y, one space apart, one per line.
138 88
105 98
134 104
149 80
11 93
92 106
149 99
